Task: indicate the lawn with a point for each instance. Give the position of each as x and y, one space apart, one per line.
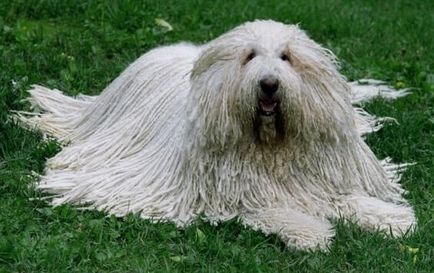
80 46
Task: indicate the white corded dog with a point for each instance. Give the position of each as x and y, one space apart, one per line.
257 124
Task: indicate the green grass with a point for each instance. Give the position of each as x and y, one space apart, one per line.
80 46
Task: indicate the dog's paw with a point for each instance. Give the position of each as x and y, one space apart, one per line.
296 229
374 214
397 221
313 236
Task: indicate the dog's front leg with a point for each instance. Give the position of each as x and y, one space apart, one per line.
295 228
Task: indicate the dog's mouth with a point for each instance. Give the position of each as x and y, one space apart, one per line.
268 124
267 107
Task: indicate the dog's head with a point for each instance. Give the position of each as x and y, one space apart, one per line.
270 82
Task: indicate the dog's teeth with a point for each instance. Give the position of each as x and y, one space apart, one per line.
268 106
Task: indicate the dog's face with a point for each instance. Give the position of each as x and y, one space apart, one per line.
269 81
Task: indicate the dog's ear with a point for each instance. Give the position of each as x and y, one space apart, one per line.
308 54
215 53
325 90
214 78
227 49
316 63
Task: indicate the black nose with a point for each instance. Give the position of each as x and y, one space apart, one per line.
269 85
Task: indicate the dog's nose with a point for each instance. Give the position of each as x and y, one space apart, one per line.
269 85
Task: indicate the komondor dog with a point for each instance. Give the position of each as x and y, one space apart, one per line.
257 124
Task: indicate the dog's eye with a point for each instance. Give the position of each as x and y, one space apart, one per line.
285 57
250 57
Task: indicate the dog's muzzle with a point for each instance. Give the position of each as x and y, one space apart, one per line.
268 102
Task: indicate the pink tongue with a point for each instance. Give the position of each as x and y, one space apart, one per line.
268 106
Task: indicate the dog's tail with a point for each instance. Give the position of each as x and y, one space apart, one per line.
55 114
366 90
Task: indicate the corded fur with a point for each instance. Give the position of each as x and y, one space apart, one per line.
173 138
